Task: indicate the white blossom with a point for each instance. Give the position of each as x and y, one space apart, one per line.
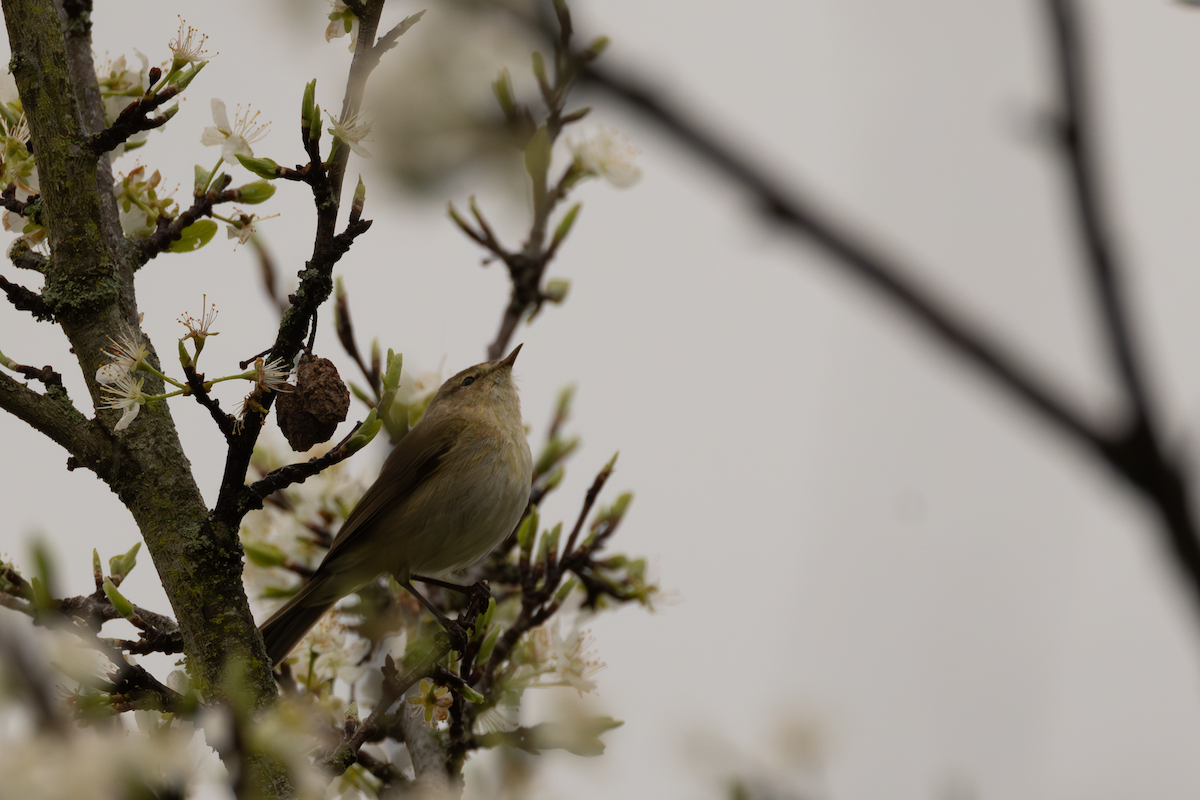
234 139
607 154
353 132
340 19
125 354
272 376
188 45
126 395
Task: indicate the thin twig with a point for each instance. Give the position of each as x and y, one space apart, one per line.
1137 450
133 119
225 422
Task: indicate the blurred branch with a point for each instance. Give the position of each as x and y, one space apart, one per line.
1132 449
1135 449
266 265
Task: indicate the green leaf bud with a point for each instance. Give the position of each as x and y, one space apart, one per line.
262 167
553 478
308 104
576 115
201 179
257 192
361 393
564 225
469 694
503 89
264 555
365 433
11 116
489 644
314 127
122 565
596 48
185 358
537 156
556 290
555 451
183 78
550 541
485 618
41 595
97 570
539 71
44 564
527 531
360 197
565 590
123 606
391 378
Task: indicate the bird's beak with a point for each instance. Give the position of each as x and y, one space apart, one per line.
512 357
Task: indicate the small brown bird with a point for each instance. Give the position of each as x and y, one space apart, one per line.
448 494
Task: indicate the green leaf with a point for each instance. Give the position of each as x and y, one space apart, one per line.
201 178
564 226
308 103
537 156
581 737
262 167
264 555
123 606
527 530
365 433
503 89
122 565
194 236
257 192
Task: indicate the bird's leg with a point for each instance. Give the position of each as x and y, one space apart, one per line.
454 629
478 590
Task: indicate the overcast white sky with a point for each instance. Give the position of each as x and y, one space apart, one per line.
866 541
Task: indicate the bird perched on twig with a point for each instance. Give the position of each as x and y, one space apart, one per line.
449 493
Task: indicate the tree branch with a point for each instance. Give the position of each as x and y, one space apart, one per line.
53 415
132 120
1136 450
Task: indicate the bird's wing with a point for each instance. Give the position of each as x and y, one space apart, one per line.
413 462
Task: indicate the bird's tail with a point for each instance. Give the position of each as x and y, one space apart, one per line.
289 624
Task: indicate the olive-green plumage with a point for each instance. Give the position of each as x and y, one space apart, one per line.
448 494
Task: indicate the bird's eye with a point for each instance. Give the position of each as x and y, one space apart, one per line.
467 381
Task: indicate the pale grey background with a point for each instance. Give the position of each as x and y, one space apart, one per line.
865 540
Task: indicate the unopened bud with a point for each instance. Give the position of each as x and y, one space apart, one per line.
365 433
201 179
503 89
360 198
308 104
262 167
596 48
120 566
527 530
556 290
256 192
122 606
182 79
